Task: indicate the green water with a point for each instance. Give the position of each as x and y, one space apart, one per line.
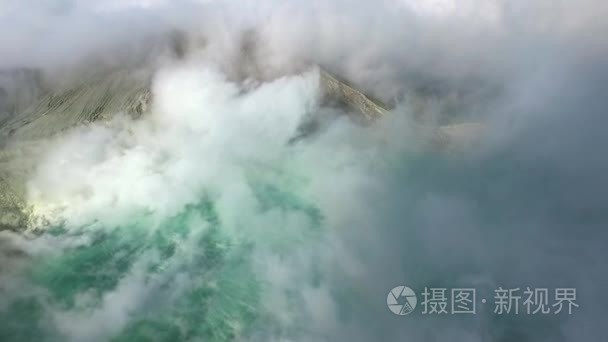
192 279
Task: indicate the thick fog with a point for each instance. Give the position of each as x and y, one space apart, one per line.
525 205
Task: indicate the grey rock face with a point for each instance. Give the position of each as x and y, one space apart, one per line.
102 96
27 126
98 98
335 88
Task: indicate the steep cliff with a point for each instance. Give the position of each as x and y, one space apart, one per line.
101 96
